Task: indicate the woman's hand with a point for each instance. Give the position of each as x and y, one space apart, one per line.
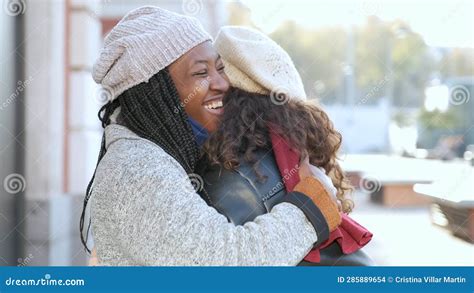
308 170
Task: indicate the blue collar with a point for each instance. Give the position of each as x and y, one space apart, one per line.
200 133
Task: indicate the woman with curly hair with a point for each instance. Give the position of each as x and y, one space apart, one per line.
266 129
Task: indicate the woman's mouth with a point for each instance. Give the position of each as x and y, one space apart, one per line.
214 106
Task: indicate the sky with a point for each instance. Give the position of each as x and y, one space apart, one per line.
442 23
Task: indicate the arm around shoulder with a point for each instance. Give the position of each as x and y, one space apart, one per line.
160 220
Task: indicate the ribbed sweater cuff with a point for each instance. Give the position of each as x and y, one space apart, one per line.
312 212
311 187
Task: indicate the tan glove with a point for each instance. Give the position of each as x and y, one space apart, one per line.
312 188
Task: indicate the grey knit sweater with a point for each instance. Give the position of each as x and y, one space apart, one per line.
144 211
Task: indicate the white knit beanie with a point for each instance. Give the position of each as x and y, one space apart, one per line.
255 63
144 42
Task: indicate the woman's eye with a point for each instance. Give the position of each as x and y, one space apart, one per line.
200 73
221 68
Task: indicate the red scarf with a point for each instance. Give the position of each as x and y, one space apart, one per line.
350 235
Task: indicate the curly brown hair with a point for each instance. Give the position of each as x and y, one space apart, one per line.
244 129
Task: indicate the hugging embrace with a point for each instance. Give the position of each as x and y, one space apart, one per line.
211 155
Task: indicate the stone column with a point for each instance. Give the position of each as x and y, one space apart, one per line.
62 133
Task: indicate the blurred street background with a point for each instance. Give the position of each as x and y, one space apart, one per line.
395 77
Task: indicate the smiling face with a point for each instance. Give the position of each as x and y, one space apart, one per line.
201 84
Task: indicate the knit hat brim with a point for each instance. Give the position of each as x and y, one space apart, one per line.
145 41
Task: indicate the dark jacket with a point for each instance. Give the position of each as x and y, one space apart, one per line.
241 196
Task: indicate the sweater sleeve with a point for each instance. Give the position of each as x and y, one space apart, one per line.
158 219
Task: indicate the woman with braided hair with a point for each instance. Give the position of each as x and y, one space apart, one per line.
166 85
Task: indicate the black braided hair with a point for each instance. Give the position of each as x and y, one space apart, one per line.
153 111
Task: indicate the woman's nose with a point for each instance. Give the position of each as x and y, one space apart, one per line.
219 82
